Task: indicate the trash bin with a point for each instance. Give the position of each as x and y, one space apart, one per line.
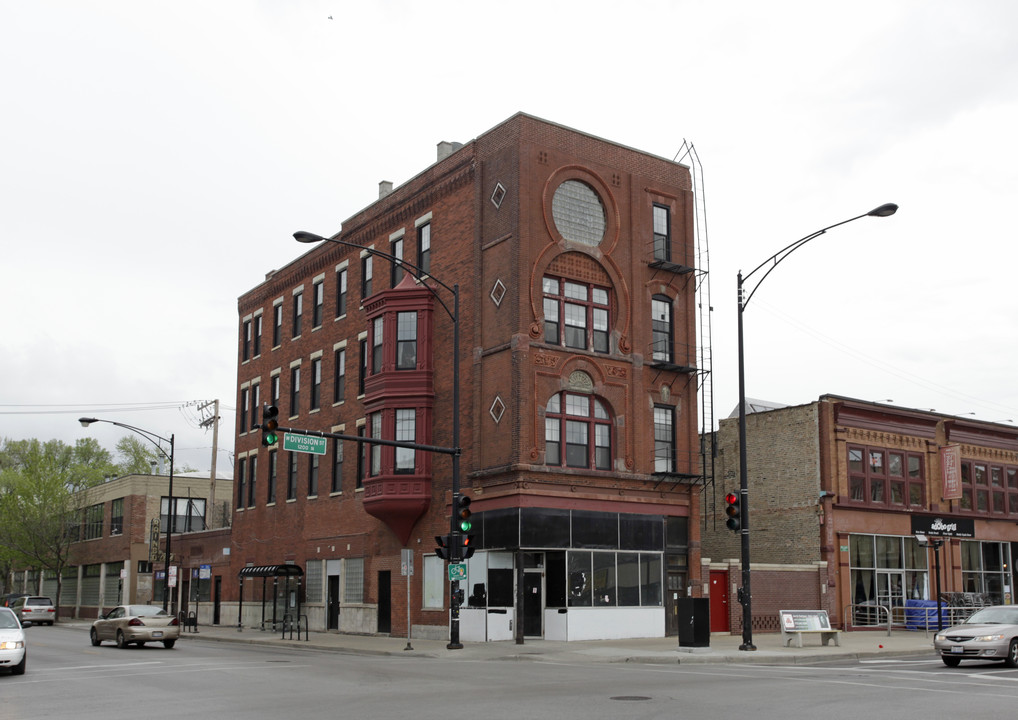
694 622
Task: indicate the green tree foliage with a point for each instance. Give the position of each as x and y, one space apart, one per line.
41 495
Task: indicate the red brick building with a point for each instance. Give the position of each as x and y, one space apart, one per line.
574 260
841 491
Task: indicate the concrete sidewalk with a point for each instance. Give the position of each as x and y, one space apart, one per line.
723 648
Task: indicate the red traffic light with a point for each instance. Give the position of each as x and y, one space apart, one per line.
733 512
732 499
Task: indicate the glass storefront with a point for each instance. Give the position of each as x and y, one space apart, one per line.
885 572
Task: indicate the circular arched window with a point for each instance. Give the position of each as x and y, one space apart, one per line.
578 213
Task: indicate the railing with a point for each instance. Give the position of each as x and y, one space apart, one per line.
288 624
866 610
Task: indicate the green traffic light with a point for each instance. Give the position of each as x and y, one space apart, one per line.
465 525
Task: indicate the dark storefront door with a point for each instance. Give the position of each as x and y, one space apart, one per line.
676 589
333 601
533 604
217 597
384 601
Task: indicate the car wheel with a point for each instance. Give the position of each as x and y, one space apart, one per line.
1012 654
19 669
951 661
121 641
94 637
168 644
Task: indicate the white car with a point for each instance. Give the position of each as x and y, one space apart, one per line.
13 654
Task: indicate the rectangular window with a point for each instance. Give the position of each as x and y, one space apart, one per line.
252 477
298 312
245 353
339 379
341 292
256 336
274 390
661 328
313 582
317 310
291 476
664 438
362 449
576 315
245 408
424 247
406 341
396 271
271 497
316 383
406 431
93 522
377 347
241 476
887 477
353 587
375 452
364 367
337 467
313 475
188 514
255 399
117 517
434 582
662 233
294 390
366 273
277 324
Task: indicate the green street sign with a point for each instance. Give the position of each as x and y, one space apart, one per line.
457 571
305 443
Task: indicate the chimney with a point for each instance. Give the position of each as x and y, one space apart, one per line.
445 149
384 188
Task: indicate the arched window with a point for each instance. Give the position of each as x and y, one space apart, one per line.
577 432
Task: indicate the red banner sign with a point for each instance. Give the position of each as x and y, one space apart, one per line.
950 466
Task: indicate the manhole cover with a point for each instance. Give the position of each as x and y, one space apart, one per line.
630 698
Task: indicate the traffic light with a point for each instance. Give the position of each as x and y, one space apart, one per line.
467 546
443 549
464 513
733 511
270 421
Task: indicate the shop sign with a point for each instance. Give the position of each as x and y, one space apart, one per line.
941 526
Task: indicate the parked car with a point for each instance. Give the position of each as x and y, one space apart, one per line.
988 634
13 653
37 608
8 599
137 624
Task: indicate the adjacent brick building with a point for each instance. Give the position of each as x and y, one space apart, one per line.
574 261
838 490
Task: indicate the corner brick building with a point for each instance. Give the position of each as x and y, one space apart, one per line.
574 261
838 491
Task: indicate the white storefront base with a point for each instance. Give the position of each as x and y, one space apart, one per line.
495 624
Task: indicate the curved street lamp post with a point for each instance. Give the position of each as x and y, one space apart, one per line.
171 509
745 595
455 451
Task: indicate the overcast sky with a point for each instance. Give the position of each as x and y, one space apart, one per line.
156 157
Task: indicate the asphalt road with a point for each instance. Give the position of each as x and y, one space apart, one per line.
67 678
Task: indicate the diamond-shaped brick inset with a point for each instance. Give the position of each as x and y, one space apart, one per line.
497 293
498 195
497 409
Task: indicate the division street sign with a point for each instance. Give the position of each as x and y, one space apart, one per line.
305 443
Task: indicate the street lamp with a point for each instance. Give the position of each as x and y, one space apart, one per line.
935 543
745 596
420 274
155 440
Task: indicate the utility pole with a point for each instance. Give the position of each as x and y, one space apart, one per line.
214 422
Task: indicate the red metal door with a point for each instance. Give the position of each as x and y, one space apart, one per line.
719 621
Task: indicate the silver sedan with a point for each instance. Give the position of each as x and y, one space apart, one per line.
136 624
988 634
